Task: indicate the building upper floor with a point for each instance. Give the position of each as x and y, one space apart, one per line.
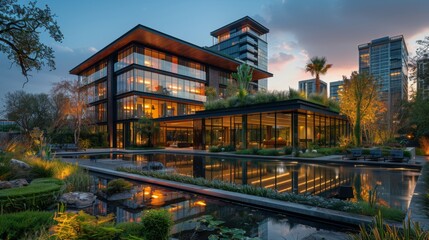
146 60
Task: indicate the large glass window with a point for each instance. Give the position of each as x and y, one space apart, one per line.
135 107
94 73
145 81
159 60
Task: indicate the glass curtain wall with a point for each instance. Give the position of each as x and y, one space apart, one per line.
159 60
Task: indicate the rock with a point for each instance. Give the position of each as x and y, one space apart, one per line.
5 185
120 196
153 166
314 151
19 182
78 199
19 163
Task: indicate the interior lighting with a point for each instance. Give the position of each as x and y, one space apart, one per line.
201 203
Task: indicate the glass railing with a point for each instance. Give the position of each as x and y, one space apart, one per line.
93 77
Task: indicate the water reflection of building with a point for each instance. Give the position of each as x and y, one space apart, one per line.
295 177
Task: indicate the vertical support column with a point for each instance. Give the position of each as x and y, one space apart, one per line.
111 103
244 131
295 137
198 165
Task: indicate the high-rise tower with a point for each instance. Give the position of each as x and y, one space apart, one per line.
386 59
244 39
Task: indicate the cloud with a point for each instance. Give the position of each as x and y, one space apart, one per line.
92 49
277 61
335 28
60 48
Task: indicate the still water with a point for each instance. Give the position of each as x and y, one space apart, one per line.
187 208
394 186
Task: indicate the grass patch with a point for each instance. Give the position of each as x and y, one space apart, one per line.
36 196
24 224
79 181
311 200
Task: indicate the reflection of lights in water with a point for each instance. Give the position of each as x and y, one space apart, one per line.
155 196
175 208
270 178
200 203
280 170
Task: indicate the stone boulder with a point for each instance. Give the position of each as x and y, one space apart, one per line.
13 183
78 199
153 166
19 163
5 185
19 182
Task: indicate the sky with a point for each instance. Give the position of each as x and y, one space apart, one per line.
299 30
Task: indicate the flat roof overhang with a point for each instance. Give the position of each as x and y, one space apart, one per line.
162 41
288 105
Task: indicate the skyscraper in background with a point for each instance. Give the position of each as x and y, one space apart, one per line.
423 76
333 89
309 86
244 39
386 59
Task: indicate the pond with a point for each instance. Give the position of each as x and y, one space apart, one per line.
187 209
394 186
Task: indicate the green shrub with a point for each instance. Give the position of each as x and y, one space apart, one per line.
79 181
48 180
214 149
23 224
407 154
288 150
130 229
157 224
118 186
70 225
40 171
420 152
250 151
268 152
35 196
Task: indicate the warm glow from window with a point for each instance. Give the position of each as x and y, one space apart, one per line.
395 74
200 203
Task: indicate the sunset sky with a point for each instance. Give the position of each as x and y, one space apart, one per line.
298 31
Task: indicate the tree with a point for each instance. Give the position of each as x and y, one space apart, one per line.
74 105
29 110
359 102
243 76
20 28
147 127
211 93
317 66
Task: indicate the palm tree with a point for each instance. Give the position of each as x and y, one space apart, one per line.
317 66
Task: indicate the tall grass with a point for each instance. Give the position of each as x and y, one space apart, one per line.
78 181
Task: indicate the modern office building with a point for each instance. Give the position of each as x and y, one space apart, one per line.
334 87
147 72
244 39
308 87
423 76
386 59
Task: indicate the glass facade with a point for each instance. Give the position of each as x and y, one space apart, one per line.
94 73
98 112
386 59
309 86
150 82
246 44
159 60
334 88
96 92
265 130
134 107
